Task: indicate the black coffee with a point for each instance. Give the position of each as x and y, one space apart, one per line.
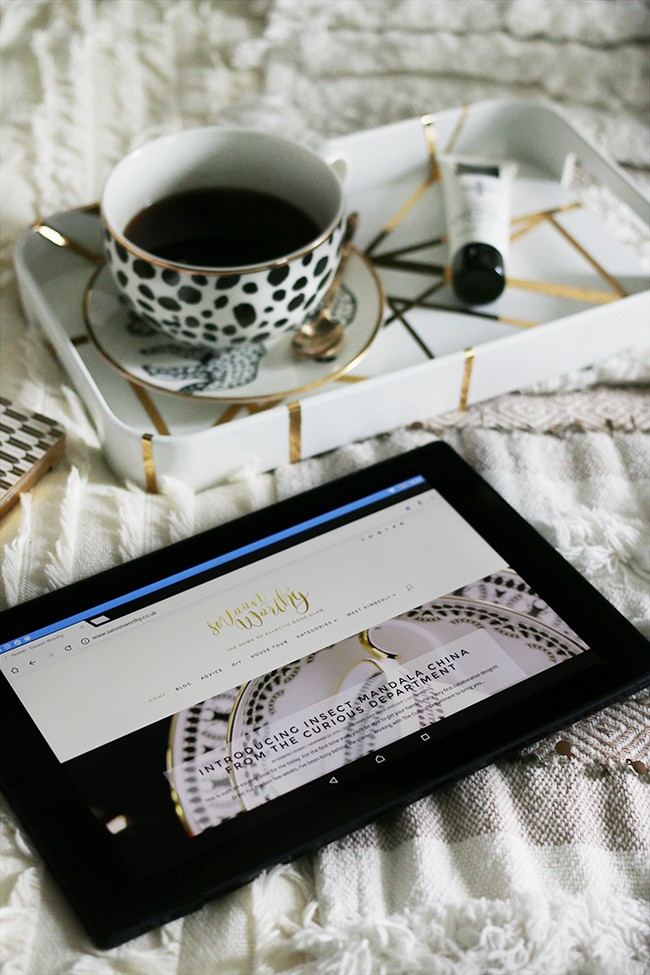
221 228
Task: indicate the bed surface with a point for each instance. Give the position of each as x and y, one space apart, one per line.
541 863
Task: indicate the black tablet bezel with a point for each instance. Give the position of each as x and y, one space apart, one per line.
111 904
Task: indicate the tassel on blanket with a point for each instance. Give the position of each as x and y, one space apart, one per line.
59 570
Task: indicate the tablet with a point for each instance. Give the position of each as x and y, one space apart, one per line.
178 723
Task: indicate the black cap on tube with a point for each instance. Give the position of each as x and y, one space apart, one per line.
478 274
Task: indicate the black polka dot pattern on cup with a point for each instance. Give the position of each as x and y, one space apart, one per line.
191 296
245 314
324 280
143 270
227 281
222 309
278 275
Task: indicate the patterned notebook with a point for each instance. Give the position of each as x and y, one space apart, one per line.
30 445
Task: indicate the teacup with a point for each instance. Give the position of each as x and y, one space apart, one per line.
220 304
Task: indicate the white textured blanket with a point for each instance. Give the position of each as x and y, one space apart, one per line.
542 863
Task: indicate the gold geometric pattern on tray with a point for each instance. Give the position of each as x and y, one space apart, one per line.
531 220
404 259
60 240
149 465
150 408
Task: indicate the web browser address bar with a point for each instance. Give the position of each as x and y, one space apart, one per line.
123 625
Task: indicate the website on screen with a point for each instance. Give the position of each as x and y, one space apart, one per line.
220 698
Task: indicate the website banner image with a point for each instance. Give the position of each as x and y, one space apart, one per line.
238 750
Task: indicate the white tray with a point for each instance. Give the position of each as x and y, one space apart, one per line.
146 434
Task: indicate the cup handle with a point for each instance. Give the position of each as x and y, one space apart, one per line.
342 166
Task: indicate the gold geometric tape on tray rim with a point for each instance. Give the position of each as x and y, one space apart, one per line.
467 374
149 466
295 432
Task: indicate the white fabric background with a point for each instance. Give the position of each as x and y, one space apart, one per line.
540 864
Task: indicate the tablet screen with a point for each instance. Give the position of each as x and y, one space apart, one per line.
193 708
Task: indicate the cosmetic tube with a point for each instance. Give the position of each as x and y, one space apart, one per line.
477 196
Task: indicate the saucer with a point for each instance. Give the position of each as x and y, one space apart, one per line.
247 373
